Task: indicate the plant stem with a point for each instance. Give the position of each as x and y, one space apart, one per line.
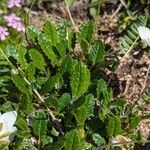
145 81
70 16
126 54
7 59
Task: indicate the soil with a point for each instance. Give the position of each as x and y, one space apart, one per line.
133 75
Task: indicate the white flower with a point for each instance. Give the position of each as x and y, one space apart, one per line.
7 120
144 34
121 141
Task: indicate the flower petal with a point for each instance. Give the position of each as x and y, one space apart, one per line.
9 118
144 33
4 128
121 138
4 140
114 140
2 37
13 129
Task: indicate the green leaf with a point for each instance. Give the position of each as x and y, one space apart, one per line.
21 84
31 72
94 8
23 134
86 31
101 87
33 32
61 48
104 92
62 31
26 104
70 2
64 101
66 65
3 147
52 102
85 111
111 126
23 144
117 129
22 128
37 59
130 38
81 115
98 140
46 140
61 45
80 80
7 106
114 126
51 83
54 132
39 123
21 56
89 104
97 52
73 141
134 121
22 124
105 97
103 112
41 81
51 32
56 145
93 11
46 46
71 40
85 34
45 43
11 51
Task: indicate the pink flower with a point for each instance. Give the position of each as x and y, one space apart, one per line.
14 22
14 3
12 17
3 33
18 26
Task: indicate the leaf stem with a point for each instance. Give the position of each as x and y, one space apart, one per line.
7 59
70 16
126 54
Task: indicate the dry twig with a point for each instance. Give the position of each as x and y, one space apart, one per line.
146 77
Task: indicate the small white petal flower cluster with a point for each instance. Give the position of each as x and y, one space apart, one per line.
144 34
7 121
